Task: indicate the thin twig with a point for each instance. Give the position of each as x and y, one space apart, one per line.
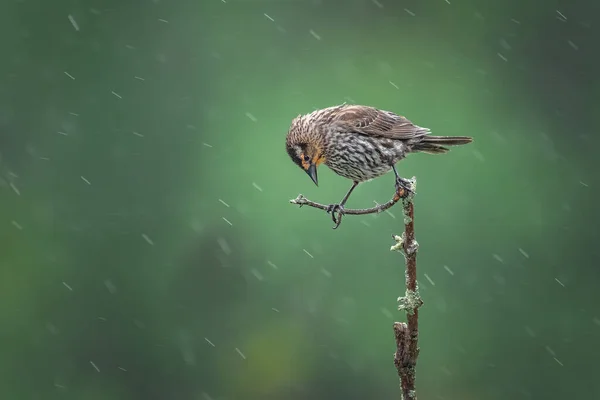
407 334
398 195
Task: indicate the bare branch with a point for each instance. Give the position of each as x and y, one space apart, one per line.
407 334
400 193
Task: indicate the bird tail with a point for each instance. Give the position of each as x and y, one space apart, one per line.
436 144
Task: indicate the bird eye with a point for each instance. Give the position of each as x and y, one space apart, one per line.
306 158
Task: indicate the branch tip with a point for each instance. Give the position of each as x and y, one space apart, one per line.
300 200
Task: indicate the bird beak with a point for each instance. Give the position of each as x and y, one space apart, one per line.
312 172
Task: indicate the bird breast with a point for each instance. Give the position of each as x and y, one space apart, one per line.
359 157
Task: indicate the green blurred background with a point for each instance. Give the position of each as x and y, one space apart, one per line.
148 249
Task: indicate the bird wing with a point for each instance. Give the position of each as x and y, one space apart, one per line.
370 121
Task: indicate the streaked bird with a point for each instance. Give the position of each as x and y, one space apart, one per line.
359 143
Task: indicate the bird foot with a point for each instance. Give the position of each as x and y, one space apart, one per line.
337 212
404 187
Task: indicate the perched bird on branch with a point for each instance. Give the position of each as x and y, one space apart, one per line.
359 143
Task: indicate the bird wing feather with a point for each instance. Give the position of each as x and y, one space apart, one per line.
370 121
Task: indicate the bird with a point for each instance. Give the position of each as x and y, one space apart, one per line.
359 143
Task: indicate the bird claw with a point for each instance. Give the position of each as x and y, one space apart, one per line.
333 209
404 187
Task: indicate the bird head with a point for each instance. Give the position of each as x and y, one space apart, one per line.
305 148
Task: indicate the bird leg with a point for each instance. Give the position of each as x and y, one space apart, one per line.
339 207
403 185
